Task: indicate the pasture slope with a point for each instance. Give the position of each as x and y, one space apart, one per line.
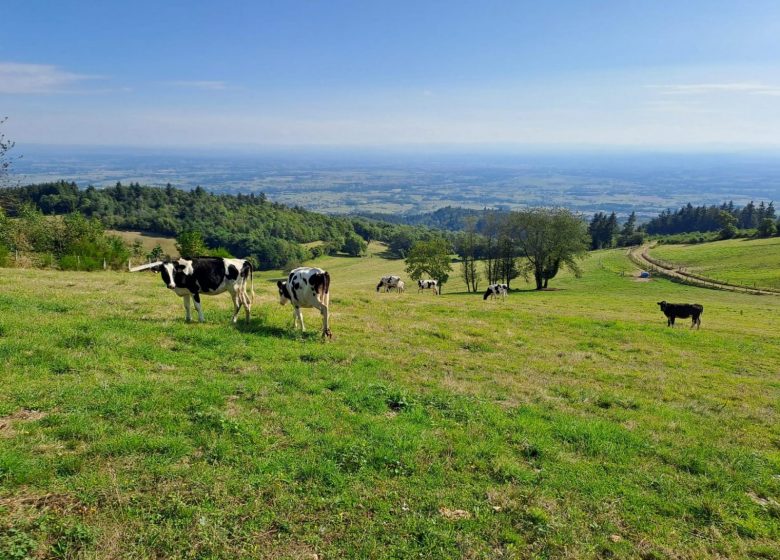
745 262
148 241
559 424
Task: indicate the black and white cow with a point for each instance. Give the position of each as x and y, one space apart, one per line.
388 283
189 278
307 287
496 290
428 285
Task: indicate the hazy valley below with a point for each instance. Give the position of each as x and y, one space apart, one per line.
406 183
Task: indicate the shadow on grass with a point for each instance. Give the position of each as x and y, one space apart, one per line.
275 331
387 255
481 293
264 329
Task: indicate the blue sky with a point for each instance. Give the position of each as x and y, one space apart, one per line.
646 74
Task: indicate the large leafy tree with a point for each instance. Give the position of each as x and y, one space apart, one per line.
430 259
550 239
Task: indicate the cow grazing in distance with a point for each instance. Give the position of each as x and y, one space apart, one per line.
400 287
388 283
683 311
209 276
307 287
496 290
428 285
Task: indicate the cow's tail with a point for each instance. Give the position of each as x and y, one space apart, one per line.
252 281
325 294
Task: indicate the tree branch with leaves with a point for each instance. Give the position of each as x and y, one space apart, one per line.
550 239
430 259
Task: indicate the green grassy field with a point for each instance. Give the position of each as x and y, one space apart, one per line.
559 424
748 262
148 241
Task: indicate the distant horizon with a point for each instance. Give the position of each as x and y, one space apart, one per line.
337 180
418 149
702 75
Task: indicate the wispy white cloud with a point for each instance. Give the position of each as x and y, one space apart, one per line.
16 78
753 88
208 85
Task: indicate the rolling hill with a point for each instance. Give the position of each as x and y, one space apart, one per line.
561 424
747 262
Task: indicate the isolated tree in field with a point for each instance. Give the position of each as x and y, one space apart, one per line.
467 248
506 264
549 240
191 244
429 259
494 224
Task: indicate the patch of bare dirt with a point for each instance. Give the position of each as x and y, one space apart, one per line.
54 502
232 408
8 423
454 514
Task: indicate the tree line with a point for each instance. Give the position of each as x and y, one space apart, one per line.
71 242
691 218
243 225
759 220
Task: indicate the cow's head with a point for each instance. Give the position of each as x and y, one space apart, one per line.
167 272
174 273
284 294
662 304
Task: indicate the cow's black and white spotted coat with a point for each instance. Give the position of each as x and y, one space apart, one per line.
307 287
189 278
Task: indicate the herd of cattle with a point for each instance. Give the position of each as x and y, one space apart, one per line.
307 287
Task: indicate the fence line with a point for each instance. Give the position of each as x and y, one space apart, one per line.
656 266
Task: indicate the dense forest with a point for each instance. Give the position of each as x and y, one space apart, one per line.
691 218
274 235
450 218
243 225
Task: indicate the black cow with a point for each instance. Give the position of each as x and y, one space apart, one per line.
189 278
683 311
